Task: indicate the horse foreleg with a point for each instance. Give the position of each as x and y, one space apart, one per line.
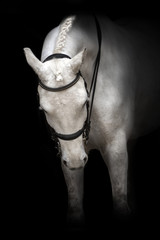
116 158
74 181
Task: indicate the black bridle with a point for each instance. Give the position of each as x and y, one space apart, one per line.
84 131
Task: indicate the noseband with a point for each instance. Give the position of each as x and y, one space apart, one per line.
84 131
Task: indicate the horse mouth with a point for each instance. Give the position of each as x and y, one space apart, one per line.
72 169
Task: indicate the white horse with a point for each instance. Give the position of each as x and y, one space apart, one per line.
126 96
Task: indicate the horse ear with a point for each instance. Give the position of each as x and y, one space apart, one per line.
77 61
33 61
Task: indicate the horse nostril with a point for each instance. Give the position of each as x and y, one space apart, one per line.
65 162
85 159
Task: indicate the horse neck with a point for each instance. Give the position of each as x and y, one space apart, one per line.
83 34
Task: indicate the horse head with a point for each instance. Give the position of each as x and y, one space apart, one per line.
65 110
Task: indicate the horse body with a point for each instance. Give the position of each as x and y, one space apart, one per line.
125 104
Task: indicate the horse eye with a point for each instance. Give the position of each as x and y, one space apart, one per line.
86 102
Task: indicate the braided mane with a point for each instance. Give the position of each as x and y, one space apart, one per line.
64 29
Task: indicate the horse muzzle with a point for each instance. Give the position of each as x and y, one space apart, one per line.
74 164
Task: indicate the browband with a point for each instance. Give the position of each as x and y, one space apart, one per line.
51 89
59 55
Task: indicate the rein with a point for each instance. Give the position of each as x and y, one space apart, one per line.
86 127
97 62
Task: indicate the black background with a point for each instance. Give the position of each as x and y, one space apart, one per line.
35 194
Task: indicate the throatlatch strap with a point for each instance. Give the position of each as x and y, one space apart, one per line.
56 55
